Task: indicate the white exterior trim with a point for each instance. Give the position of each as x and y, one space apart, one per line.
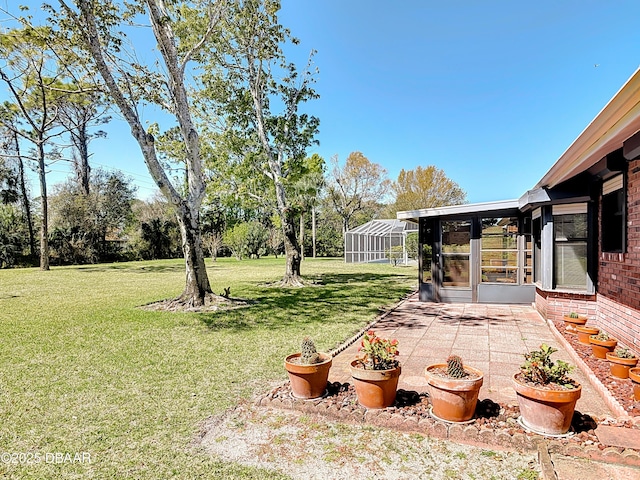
569 209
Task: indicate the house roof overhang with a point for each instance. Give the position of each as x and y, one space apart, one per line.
500 208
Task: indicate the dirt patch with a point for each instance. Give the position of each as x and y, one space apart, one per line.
304 446
213 303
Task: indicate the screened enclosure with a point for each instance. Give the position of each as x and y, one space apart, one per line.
390 241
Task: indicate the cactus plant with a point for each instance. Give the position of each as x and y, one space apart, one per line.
573 315
455 368
603 336
308 353
622 352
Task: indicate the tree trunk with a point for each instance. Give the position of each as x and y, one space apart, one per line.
292 252
82 168
313 229
26 204
197 282
301 236
44 226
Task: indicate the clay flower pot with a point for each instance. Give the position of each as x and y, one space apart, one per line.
375 388
544 411
620 366
308 381
453 399
634 375
571 323
584 332
599 348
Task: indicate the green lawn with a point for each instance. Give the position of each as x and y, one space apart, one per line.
83 370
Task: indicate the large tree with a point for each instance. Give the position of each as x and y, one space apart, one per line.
355 186
265 96
97 27
29 70
426 188
81 108
82 224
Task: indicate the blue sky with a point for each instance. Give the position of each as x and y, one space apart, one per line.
492 91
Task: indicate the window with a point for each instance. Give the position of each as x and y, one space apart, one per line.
503 260
499 262
456 248
613 215
427 249
570 241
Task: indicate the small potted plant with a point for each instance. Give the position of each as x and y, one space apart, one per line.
620 361
376 372
547 396
584 332
601 344
572 320
453 389
308 371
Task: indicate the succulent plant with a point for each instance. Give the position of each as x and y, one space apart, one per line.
573 315
308 354
540 369
602 336
455 368
378 353
622 352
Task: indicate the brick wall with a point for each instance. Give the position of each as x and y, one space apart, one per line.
616 307
619 274
620 321
553 305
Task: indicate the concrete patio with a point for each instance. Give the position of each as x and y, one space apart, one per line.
489 337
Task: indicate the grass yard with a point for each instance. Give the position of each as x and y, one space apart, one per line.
84 371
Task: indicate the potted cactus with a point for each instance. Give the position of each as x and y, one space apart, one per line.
308 371
620 361
572 320
546 394
453 389
375 374
601 344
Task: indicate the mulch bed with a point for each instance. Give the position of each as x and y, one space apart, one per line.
621 390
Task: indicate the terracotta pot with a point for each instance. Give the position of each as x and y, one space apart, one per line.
599 348
620 366
453 399
571 323
375 388
634 375
548 412
584 332
308 381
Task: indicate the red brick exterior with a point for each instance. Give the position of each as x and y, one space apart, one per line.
619 274
616 307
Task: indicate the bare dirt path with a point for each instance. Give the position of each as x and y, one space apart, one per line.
306 447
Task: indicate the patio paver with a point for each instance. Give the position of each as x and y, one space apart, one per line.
487 336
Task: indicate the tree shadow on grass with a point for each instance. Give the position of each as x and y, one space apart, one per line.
333 297
148 268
